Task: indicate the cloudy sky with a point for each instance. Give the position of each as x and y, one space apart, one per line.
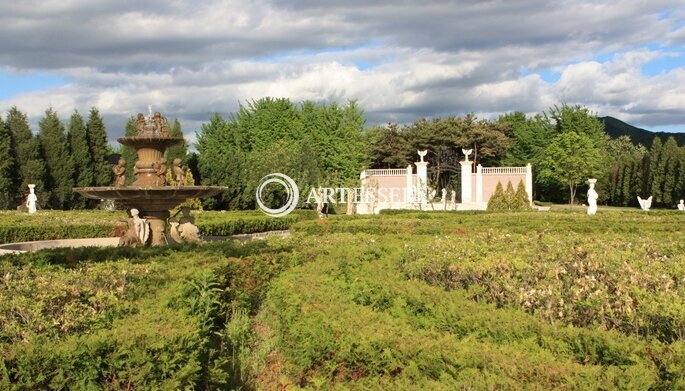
400 60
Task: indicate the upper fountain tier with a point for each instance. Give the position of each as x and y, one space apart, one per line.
151 131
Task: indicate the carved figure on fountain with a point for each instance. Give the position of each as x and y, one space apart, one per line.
119 171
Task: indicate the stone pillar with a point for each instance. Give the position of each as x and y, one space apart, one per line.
466 191
479 183
409 191
422 181
529 182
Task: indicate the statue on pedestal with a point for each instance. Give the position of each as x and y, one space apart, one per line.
466 153
645 204
592 198
32 199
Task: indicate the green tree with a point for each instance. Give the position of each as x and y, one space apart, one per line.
97 140
530 135
59 165
28 159
577 119
321 145
571 158
7 169
179 151
80 153
387 148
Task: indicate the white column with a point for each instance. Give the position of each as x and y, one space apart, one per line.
422 180
466 192
479 183
529 182
409 192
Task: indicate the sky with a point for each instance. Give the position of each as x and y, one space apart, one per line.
400 60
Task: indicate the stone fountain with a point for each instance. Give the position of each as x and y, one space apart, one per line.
149 195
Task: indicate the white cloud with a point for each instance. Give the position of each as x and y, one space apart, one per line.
399 60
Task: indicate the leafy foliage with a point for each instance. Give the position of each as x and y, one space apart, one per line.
313 144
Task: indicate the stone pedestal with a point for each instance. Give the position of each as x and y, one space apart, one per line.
466 188
422 181
158 229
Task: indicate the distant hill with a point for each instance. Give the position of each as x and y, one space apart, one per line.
615 128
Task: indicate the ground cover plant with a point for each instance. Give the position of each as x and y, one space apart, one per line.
404 300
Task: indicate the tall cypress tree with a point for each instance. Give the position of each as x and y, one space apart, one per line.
97 140
177 151
26 150
7 169
128 153
670 157
657 167
80 153
59 165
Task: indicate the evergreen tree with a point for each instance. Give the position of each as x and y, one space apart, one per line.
520 200
498 200
656 169
97 141
59 165
7 169
670 157
26 149
128 153
83 161
177 151
509 195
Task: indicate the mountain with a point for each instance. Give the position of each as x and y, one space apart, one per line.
615 128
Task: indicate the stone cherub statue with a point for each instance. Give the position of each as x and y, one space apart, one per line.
153 126
184 229
681 205
179 173
160 169
119 171
138 231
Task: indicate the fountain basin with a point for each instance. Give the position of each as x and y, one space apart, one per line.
153 202
149 198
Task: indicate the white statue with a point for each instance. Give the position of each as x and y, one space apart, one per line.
592 198
443 199
141 226
32 199
681 205
466 153
422 154
645 204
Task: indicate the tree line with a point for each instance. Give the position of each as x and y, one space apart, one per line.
329 144
58 158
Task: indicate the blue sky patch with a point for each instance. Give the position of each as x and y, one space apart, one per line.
12 84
